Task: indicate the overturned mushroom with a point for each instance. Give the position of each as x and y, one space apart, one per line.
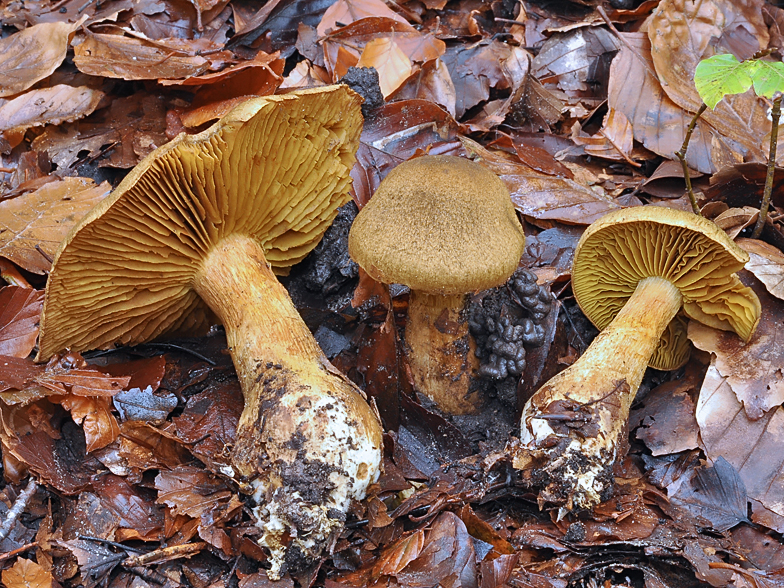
634 270
444 226
196 229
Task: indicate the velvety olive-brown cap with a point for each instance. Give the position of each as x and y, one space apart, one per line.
625 246
275 168
439 224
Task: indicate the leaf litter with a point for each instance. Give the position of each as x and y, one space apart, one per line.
577 117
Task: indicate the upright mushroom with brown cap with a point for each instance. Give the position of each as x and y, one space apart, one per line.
634 270
444 226
196 229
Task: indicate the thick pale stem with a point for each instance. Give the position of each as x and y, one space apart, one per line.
573 425
441 351
307 441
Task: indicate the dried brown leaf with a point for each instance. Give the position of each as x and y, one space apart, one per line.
25 573
20 309
352 39
658 123
754 371
190 491
33 225
94 414
137 515
752 447
55 105
683 33
129 58
766 263
389 60
542 196
32 54
346 12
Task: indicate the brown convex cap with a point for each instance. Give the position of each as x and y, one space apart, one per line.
625 246
275 168
439 224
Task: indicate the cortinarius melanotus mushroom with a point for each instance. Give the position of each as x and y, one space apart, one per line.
444 226
197 228
634 271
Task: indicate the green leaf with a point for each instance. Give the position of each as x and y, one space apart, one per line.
768 78
723 74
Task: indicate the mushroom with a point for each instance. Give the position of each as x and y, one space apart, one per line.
197 228
444 226
634 270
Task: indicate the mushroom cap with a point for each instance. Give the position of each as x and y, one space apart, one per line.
275 168
625 246
439 224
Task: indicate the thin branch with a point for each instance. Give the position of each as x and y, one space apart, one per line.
17 508
774 137
682 156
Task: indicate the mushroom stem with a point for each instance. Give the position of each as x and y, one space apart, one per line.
572 426
441 351
307 442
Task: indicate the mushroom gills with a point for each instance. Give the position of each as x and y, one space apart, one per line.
572 427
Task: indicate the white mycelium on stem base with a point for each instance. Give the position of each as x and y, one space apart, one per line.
190 234
634 270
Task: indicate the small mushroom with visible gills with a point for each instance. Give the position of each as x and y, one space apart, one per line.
193 233
634 271
444 226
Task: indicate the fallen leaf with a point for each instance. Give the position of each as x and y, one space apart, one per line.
49 106
25 573
668 425
137 515
683 33
542 196
345 12
393 66
33 225
20 310
715 493
766 263
190 491
754 371
136 404
94 415
32 54
658 123
752 447
130 58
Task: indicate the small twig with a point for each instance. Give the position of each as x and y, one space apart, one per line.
17 551
774 135
43 253
682 156
17 508
165 554
195 354
110 543
628 159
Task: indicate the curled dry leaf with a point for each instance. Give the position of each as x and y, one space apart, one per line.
389 60
95 416
754 371
766 263
129 58
658 123
53 106
683 33
32 54
344 12
20 309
